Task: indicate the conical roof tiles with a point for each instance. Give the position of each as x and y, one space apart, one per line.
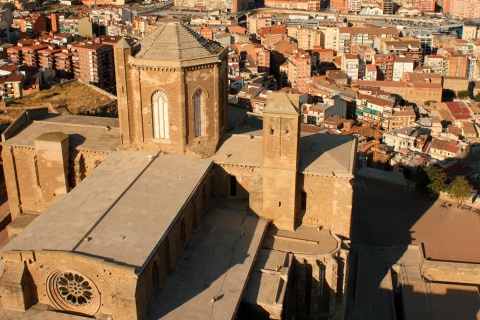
173 41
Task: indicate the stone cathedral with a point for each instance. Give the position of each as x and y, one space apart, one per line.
166 215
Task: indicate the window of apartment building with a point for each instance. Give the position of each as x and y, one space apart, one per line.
160 115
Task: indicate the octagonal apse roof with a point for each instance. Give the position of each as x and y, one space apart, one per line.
173 41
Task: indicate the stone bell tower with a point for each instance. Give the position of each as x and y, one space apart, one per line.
281 132
172 91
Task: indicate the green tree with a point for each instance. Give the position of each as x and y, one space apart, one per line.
448 95
430 180
477 97
462 94
428 102
460 190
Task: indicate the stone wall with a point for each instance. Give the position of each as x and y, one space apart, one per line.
102 276
328 199
139 80
170 248
453 272
249 184
328 203
21 176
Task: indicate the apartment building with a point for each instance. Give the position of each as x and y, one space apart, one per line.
32 25
350 65
374 110
384 64
370 72
324 55
258 53
401 65
424 5
258 21
330 36
93 63
473 67
30 54
354 6
339 5
419 92
456 83
435 63
467 9
14 54
350 36
76 26
413 92
317 113
456 65
402 118
299 70
229 5
311 5
388 6
306 38
46 57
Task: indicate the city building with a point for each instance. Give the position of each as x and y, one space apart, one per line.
79 26
299 69
435 63
401 65
350 64
424 5
340 6
93 63
374 110
371 72
466 9
230 6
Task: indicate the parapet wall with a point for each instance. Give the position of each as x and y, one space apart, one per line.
449 271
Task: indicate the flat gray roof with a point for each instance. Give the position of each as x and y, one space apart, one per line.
319 153
267 284
241 149
121 211
216 263
85 132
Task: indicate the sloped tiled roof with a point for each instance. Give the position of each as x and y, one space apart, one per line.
173 41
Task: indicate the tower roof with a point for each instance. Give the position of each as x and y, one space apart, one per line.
173 41
122 44
280 102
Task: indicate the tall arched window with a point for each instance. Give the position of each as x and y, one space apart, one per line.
160 115
199 113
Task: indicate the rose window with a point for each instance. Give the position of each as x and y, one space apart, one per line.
74 289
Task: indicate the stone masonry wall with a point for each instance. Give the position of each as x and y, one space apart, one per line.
21 178
170 249
179 85
249 184
328 203
119 281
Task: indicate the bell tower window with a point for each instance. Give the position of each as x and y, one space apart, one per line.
160 115
199 113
